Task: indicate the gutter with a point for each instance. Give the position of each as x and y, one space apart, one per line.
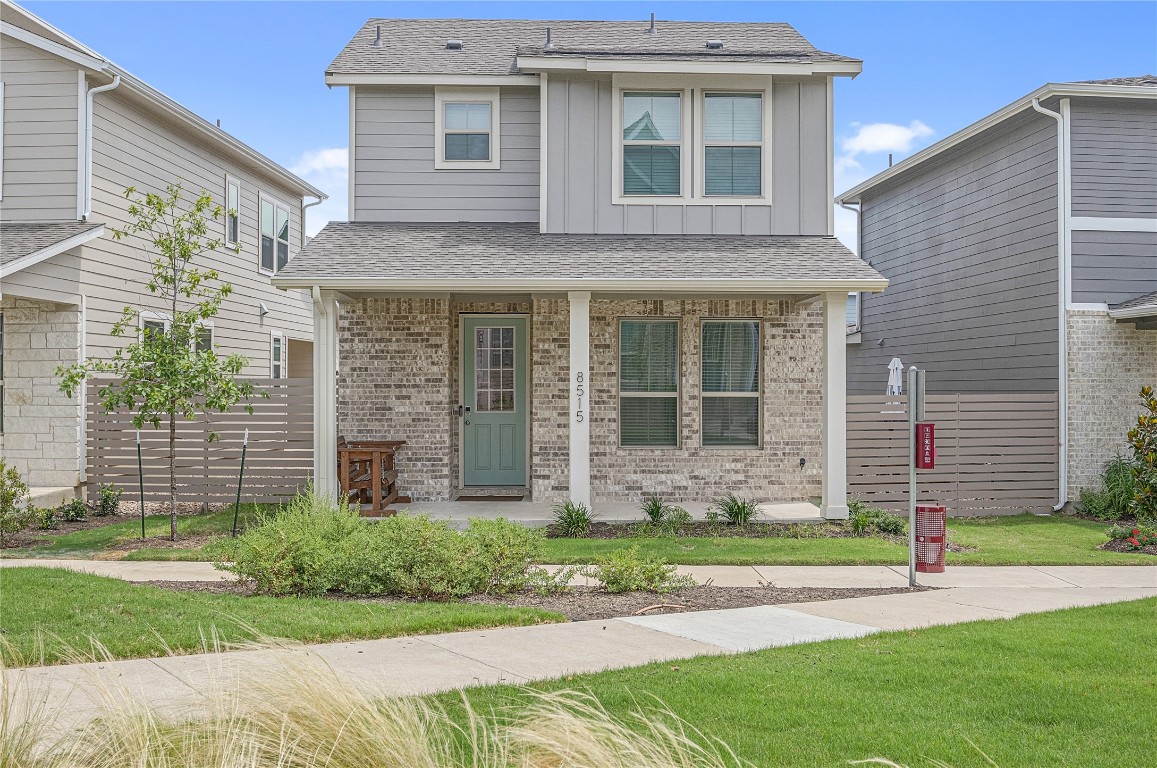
86 210
509 285
1063 257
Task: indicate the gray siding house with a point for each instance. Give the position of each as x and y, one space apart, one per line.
76 132
1022 257
586 260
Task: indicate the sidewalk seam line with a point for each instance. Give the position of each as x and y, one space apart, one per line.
501 670
1058 578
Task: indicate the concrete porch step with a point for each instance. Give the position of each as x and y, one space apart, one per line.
51 497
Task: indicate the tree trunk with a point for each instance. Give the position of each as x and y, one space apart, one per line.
172 476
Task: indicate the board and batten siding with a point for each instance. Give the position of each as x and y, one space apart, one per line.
1114 157
394 174
969 246
133 147
41 129
580 194
1111 267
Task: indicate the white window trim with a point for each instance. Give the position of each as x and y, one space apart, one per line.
677 394
284 354
691 170
758 394
764 144
1 139
443 96
232 181
148 314
859 311
265 196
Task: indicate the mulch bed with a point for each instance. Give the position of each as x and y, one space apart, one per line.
703 529
589 603
1120 545
36 536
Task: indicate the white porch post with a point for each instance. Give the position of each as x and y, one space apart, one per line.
835 432
580 425
325 481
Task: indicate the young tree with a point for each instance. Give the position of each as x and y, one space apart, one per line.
162 376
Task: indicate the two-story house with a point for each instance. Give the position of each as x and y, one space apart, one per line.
587 260
77 130
1022 255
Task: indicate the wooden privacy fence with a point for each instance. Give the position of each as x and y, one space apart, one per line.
278 462
995 453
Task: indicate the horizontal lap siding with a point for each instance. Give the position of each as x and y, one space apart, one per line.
1111 267
132 148
41 114
1114 157
969 246
394 174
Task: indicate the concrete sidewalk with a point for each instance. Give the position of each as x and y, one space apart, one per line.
432 663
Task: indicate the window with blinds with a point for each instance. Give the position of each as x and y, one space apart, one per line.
733 144
652 143
730 375
649 383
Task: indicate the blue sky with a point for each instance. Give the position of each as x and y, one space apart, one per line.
930 68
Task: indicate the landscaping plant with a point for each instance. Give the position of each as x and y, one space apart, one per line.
572 519
108 500
160 375
655 509
1111 501
626 570
72 511
46 518
14 513
1143 442
736 509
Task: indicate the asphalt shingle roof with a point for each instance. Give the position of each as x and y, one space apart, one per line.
489 46
1146 300
1149 81
18 240
520 251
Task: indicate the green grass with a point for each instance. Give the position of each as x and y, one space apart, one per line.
1067 688
1012 540
62 610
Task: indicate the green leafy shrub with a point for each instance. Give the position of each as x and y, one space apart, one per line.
501 554
736 509
1125 532
625 570
1111 501
655 509
14 514
572 520
866 521
108 500
46 518
673 523
72 511
1143 443
407 556
544 583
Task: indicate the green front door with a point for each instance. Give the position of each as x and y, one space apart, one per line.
495 401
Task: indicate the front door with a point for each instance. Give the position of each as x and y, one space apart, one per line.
494 416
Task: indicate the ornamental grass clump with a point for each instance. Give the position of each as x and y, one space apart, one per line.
736 509
572 519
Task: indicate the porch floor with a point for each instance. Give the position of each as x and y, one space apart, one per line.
537 513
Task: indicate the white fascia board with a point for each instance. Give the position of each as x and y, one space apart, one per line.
36 257
56 49
407 79
1129 313
1047 91
548 285
572 64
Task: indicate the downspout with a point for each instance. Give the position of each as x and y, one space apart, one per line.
318 201
1062 302
87 192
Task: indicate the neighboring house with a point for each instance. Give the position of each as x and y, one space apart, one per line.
587 260
1022 257
78 130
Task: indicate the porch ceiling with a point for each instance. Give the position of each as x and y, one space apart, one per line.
517 258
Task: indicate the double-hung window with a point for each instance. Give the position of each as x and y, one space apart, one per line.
203 339
733 144
467 128
649 383
277 355
730 371
274 235
232 212
652 143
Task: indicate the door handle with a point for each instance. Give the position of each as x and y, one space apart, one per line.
463 410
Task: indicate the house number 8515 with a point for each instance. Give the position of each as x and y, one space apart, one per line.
580 393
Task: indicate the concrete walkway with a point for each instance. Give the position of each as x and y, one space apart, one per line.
432 663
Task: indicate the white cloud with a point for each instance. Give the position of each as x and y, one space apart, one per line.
884 137
327 169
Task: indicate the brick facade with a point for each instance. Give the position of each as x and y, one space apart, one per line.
1108 362
399 379
41 431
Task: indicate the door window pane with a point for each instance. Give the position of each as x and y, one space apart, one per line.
494 369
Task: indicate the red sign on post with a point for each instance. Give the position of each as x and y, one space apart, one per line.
925 446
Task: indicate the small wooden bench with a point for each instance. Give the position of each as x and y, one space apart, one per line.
367 475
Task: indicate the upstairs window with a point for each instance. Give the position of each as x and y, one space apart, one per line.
652 143
733 144
274 235
649 383
203 342
232 212
466 128
730 383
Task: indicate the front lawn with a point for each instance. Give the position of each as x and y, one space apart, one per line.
1062 688
61 610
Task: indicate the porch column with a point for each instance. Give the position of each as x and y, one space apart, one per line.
325 481
835 437
580 425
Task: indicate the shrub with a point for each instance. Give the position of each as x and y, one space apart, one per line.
46 518
866 521
736 509
672 524
14 516
544 583
72 511
1143 442
405 555
625 570
572 519
108 500
1126 532
655 509
501 554
1117 487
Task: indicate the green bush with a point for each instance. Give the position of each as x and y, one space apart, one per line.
1143 443
572 520
406 556
736 509
673 523
866 521
108 500
72 511
501 554
14 514
1111 501
46 518
1116 532
625 570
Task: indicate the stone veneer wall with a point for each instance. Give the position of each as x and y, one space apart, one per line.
399 379
41 435
1108 362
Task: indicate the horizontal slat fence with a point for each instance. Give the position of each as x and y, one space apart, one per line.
278 462
995 453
